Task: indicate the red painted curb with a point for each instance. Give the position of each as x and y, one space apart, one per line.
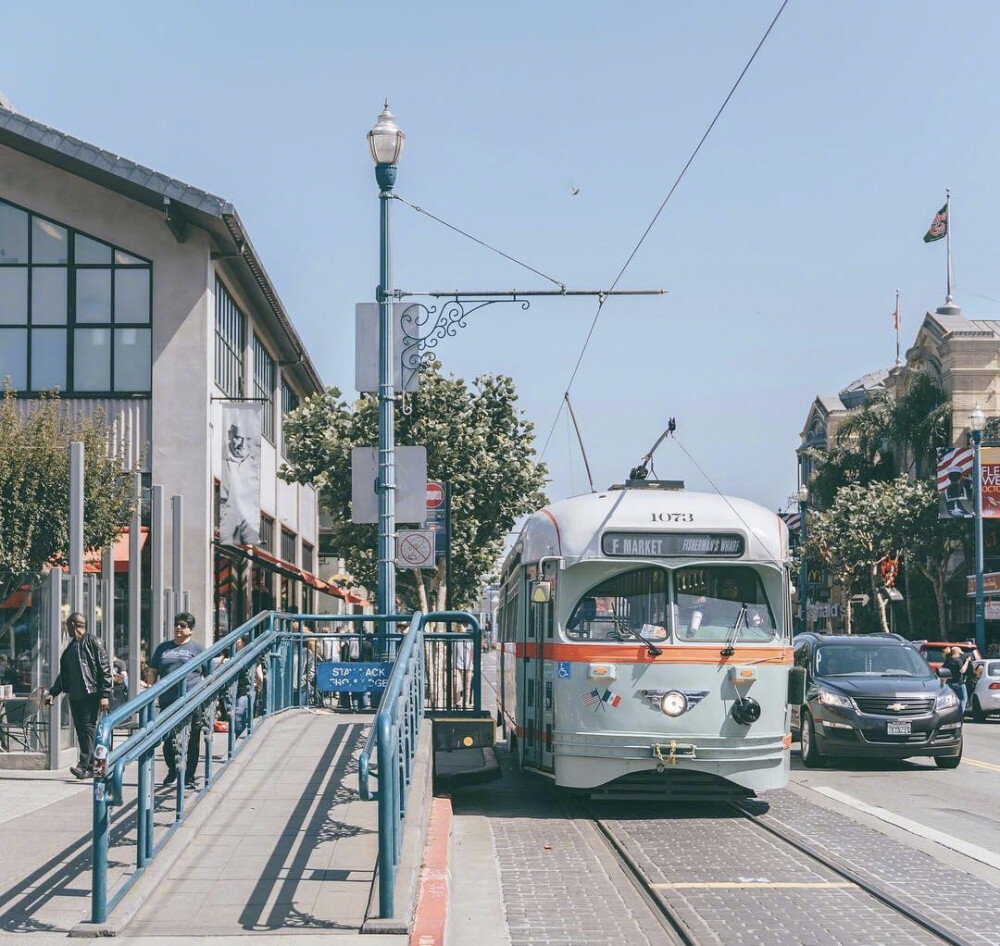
435 881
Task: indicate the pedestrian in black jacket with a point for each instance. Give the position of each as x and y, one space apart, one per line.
85 677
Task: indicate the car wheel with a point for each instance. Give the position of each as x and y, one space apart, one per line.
977 711
811 756
949 761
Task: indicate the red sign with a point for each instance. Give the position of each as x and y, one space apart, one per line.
435 495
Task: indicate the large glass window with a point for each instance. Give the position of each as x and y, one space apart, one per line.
73 293
289 402
717 603
263 386
230 340
620 608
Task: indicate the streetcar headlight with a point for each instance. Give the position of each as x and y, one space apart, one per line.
674 703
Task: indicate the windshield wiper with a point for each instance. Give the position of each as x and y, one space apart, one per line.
734 633
628 629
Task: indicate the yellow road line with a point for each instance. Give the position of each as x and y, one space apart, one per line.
983 765
748 884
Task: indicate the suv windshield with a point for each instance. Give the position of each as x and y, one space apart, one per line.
866 659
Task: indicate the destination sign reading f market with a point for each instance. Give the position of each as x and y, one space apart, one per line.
671 544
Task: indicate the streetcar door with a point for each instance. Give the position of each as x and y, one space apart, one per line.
532 681
539 681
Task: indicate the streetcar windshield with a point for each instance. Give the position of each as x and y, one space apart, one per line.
713 602
618 608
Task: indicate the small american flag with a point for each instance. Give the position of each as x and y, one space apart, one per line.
590 699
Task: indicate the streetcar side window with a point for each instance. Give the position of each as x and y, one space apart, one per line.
620 607
711 600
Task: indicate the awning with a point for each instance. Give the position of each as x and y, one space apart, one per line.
92 560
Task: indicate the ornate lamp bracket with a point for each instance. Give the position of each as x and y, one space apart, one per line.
424 327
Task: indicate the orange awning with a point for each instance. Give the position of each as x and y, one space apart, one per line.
92 560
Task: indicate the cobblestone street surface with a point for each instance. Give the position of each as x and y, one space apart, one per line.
730 882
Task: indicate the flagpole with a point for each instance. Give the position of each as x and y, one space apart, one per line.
896 320
947 204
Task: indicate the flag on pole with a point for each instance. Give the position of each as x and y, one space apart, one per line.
895 315
939 228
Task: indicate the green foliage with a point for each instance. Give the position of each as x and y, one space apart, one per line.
475 438
34 487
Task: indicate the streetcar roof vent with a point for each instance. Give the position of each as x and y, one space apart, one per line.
650 484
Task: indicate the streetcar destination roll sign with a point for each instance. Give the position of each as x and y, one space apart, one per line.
671 544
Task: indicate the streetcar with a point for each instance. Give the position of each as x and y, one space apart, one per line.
646 644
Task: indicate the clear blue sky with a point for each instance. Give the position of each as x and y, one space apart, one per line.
781 250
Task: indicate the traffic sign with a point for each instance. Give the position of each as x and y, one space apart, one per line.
435 495
415 549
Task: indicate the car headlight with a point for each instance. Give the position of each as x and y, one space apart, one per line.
834 699
673 703
946 700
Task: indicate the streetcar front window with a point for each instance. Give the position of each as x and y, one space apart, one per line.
713 600
618 608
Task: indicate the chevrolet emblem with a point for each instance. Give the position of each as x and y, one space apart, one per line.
896 707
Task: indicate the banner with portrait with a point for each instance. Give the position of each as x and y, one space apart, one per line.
239 489
956 485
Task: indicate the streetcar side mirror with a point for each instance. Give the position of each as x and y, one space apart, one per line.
541 592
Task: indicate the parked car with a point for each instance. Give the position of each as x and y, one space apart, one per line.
933 651
985 698
873 695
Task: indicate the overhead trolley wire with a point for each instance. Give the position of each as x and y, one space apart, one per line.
656 216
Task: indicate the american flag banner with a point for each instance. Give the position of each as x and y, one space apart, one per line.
791 519
956 458
590 699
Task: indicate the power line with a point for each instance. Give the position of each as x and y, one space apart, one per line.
656 216
488 246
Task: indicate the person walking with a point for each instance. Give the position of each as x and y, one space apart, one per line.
85 677
958 666
167 657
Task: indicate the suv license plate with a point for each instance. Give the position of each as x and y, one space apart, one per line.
899 728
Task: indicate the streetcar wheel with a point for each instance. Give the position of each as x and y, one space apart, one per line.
810 751
977 710
949 761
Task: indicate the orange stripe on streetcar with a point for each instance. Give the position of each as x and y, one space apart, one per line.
671 654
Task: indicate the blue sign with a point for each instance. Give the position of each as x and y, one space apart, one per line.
565 668
334 677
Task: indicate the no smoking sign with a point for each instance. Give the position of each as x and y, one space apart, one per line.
415 549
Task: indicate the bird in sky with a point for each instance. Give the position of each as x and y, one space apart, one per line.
574 191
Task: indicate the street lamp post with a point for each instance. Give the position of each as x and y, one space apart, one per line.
385 141
976 422
803 498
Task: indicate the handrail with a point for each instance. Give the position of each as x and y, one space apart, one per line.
394 735
269 637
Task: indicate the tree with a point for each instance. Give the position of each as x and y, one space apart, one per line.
866 525
34 488
475 438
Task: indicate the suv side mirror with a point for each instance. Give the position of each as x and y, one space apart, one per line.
944 673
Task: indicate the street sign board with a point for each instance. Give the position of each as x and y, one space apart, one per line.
435 495
411 484
333 677
415 549
366 330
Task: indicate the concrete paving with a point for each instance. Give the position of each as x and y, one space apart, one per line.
285 846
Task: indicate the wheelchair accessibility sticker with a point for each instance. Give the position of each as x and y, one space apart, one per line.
564 669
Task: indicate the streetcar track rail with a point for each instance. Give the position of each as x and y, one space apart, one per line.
675 925
833 863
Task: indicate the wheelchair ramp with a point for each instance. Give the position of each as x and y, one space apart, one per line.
288 848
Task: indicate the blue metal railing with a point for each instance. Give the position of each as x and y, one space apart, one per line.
396 731
275 641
